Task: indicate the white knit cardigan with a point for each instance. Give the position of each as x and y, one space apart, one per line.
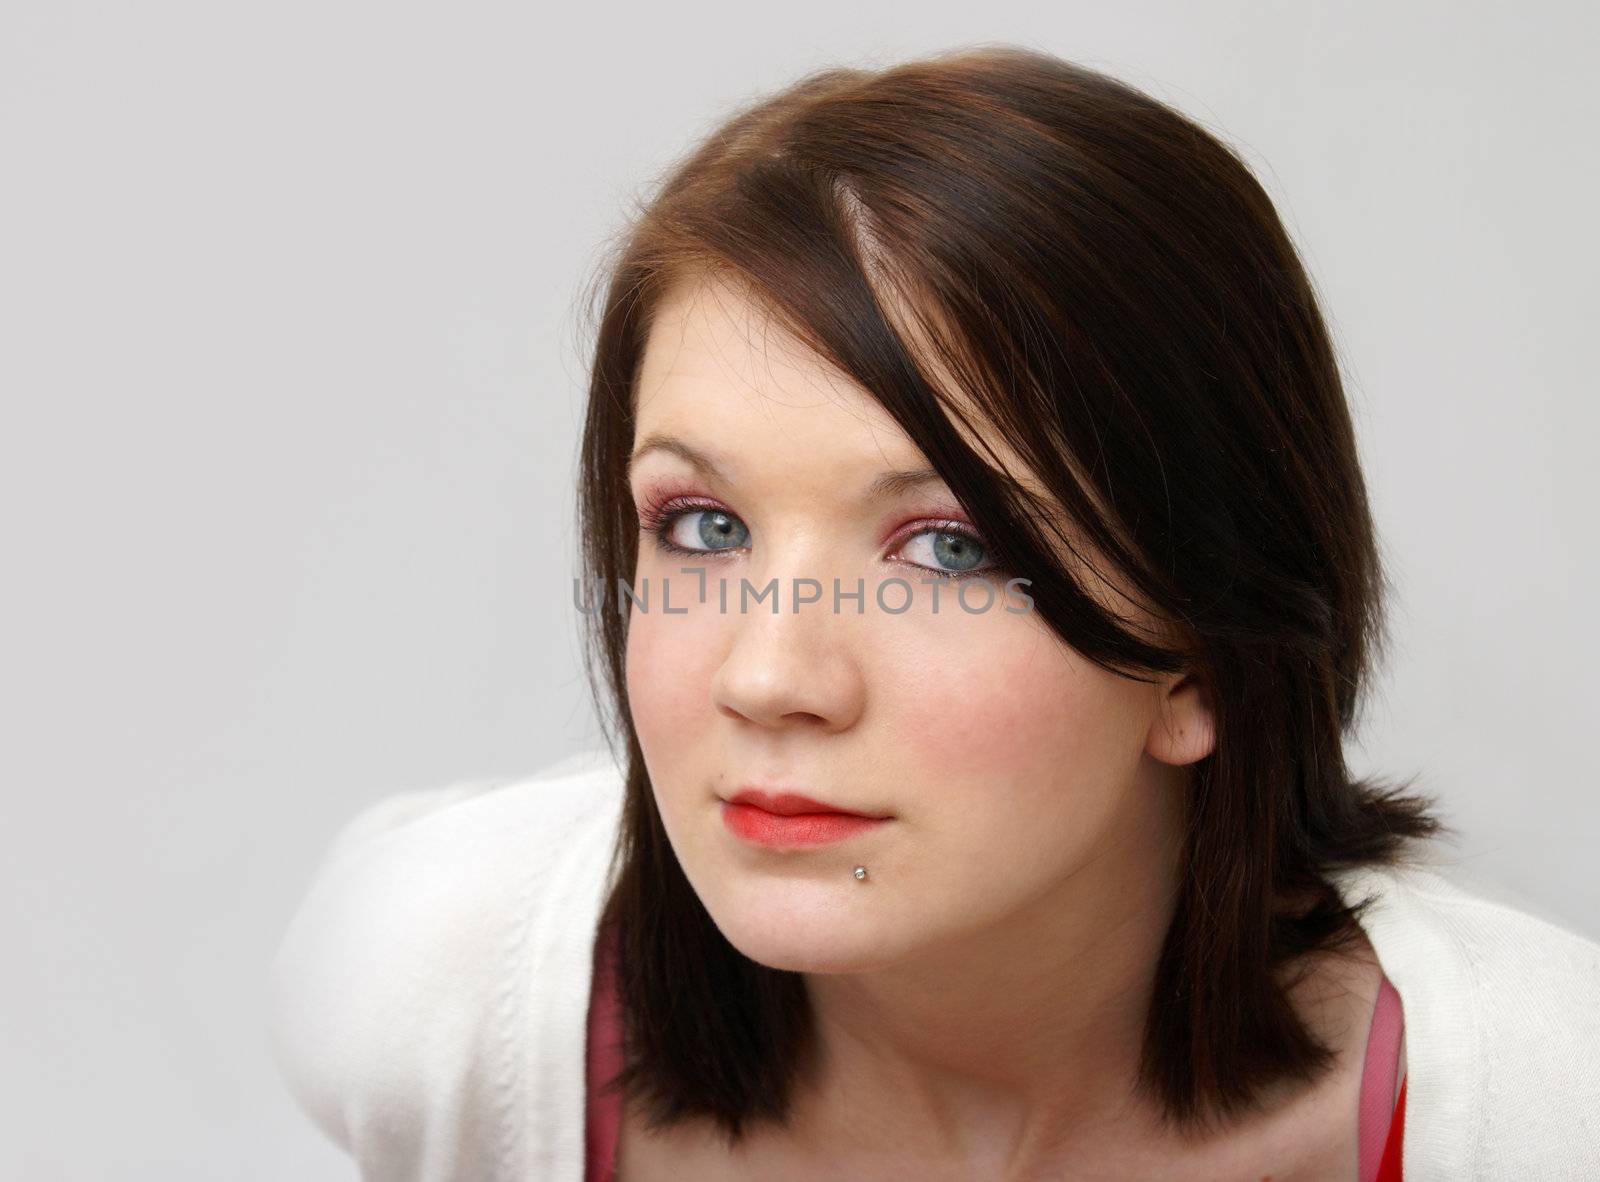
430 994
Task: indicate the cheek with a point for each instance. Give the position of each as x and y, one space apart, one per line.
669 664
1016 714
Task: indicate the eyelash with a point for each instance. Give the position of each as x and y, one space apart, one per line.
658 518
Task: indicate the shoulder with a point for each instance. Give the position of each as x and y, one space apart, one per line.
1501 1001
1516 950
393 988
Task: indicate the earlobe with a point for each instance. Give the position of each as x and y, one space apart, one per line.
1183 730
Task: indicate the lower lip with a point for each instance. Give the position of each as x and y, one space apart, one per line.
764 828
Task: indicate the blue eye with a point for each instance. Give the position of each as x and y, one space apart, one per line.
958 552
716 530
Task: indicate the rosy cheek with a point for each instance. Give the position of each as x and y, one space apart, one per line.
649 678
1021 710
668 679
969 718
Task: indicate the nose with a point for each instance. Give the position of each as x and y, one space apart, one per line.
798 666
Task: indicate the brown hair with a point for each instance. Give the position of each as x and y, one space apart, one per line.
1113 290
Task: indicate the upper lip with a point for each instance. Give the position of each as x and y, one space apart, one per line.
790 804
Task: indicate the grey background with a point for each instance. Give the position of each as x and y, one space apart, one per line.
292 376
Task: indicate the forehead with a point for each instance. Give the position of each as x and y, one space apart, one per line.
715 360
718 361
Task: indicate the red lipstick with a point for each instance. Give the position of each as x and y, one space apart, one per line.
790 819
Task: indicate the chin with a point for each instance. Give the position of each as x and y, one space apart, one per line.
825 941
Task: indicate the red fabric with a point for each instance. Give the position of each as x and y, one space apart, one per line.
1389 1169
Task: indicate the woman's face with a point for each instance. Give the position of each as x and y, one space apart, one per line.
1005 763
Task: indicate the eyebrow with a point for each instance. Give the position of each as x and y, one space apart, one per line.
886 484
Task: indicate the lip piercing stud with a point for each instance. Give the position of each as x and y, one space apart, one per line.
861 872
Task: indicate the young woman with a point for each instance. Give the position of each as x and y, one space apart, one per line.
982 582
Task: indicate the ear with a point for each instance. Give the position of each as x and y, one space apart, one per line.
1184 728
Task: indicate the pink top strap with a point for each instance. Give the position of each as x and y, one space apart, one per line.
603 1123
1378 1078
